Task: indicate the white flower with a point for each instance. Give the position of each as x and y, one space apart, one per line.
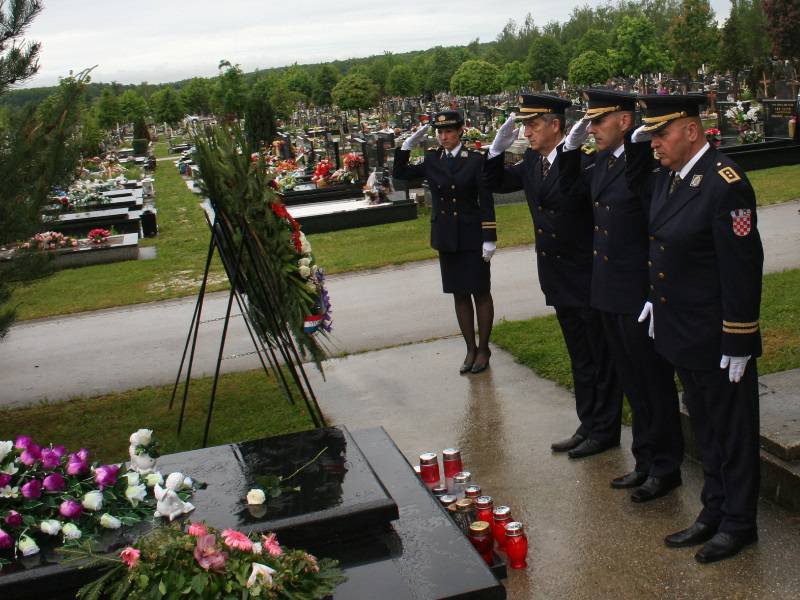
27 546
153 479
93 500
5 449
260 573
71 531
135 494
257 548
141 437
305 245
50 526
133 477
304 271
110 522
9 492
303 262
187 483
10 468
256 496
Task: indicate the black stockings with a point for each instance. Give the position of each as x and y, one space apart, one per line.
484 307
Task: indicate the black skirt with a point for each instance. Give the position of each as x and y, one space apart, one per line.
464 272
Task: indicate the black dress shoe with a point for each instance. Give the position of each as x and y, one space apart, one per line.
698 533
465 368
589 447
481 367
655 487
724 545
567 444
629 480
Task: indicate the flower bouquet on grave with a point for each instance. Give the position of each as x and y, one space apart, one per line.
49 240
354 163
98 236
49 495
205 563
322 172
745 121
343 176
714 136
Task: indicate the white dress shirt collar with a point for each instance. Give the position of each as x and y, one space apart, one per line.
693 161
551 158
454 152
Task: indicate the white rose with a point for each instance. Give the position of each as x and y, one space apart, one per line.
50 526
93 500
135 494
110 522
303 262
256 496
132 477
153 479
141 437
187 483
27 546
71 531
260 573
304 271
5 449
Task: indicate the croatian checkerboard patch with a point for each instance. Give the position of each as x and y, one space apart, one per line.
741 221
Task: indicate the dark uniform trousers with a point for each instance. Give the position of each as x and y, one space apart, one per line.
706 263
563 231
618 292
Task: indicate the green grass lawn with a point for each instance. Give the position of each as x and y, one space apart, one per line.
538 344
182 245
248 406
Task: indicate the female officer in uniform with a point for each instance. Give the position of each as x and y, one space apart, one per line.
463 227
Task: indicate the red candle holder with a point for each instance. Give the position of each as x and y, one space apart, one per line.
485 509
480 535
502 516
451 459
429 467
516 545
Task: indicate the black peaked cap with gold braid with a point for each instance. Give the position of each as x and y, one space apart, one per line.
660 111
602 102
537 105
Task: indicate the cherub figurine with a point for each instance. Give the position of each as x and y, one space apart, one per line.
169 503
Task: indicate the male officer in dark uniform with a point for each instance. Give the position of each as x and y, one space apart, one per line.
705 272
463 227
619 289
563 230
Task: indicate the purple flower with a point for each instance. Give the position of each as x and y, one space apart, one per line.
55 483
60 451
77 465
70 509
5 479
32 489
5 540
30 455
106 475
23 441
50 459
13 519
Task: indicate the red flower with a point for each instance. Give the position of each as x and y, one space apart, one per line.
236 539
130 556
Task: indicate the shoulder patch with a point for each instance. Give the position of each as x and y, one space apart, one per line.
729 175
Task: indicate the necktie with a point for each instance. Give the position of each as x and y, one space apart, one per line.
545 167
676 179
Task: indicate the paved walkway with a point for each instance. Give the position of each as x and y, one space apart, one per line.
586 540
140 345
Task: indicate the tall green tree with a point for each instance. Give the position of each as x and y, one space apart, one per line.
783 22
326 79
19 60
693 38
355 92
259 117
440 64
637 50
230 92
401 81
475 78
732 52
299 80
546 59
513 76
589 68
167 106
196 96
109 112
132 106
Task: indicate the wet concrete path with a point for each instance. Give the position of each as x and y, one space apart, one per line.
587 540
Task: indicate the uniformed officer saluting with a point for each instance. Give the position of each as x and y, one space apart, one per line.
705 274
619 289
563 230
463 227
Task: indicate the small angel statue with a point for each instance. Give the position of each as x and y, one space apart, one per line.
169 503
143 451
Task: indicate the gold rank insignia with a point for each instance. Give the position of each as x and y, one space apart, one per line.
441 118
463 154
729 175
696 181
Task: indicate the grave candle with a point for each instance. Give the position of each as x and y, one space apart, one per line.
480 535
485 509
502 516
516 545
429 467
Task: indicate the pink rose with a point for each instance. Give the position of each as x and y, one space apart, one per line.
30 455
76 465
5 540
55 483
23 441
50 460
70 509
13 519
106 475
60 451
5 479
32 489
130 556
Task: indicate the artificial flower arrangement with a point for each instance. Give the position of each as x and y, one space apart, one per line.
50 494
98 236
323 171
745 121
352 161
49 240
714 136
343 176
203 562
472 134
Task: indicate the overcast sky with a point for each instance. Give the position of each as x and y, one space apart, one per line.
168 40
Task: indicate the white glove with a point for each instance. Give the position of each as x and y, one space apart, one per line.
737 365
504 138
415 138
647 311
488 250
577 135
640 135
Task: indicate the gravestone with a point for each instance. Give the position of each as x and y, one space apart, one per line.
777 117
